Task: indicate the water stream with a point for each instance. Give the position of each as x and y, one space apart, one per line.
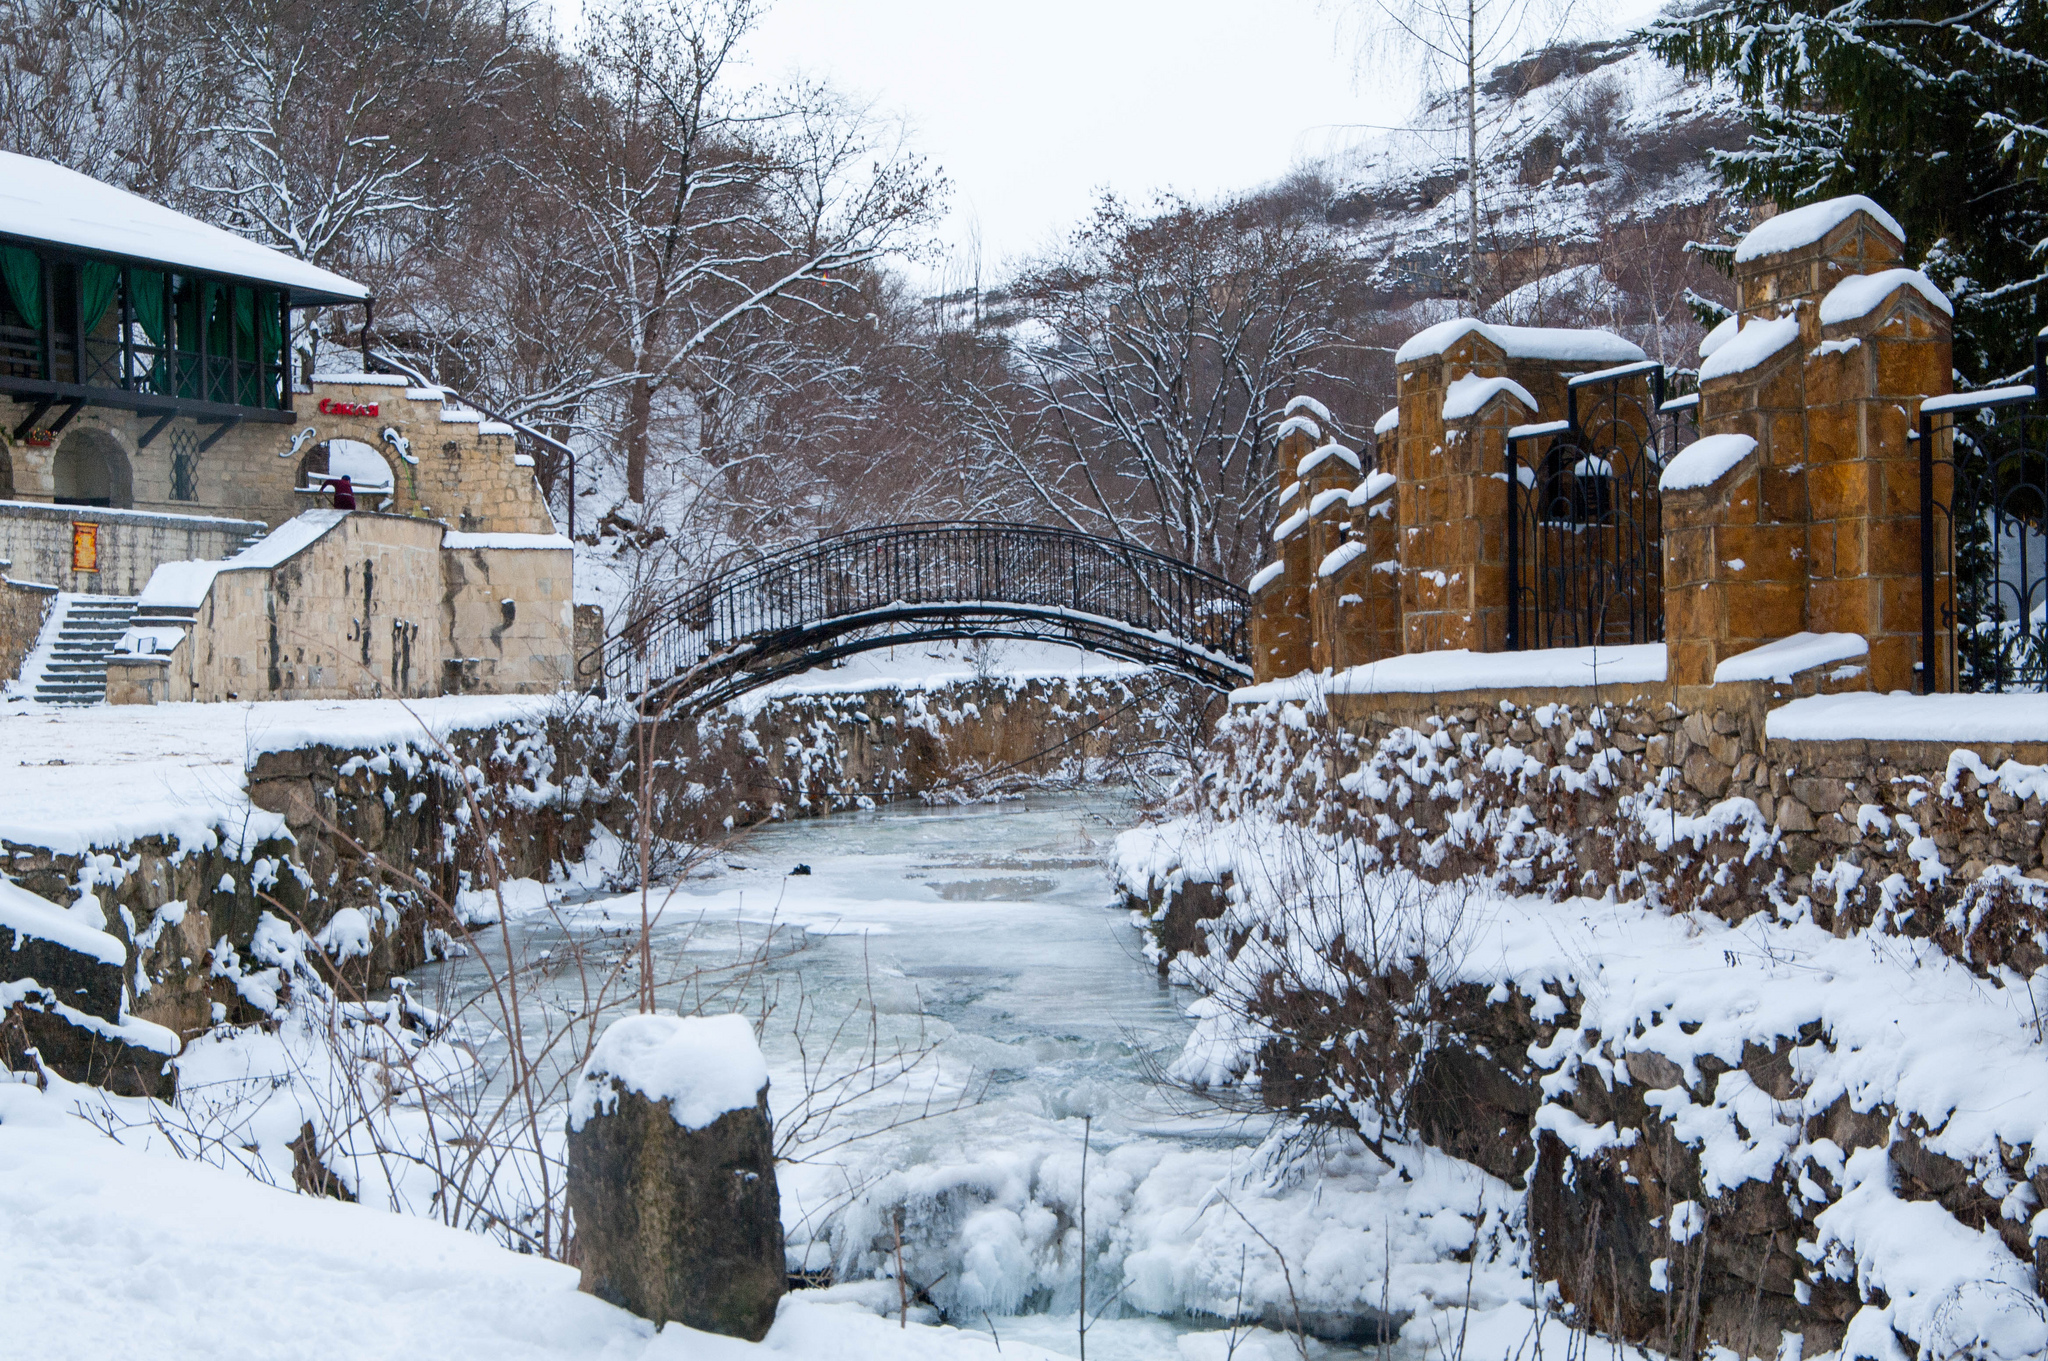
987 942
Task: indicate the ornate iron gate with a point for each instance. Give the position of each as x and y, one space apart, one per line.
1984 537
1585 547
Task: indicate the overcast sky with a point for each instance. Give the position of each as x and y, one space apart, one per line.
1030 106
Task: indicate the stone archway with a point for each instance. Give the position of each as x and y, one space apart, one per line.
367 470
92 469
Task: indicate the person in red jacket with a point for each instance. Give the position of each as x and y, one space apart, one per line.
344 493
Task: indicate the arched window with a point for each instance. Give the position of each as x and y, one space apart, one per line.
92 469
367 472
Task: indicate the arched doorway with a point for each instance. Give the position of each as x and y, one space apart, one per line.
364 467
92 469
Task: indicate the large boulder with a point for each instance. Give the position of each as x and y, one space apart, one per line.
672 1174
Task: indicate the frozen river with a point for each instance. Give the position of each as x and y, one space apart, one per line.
986 946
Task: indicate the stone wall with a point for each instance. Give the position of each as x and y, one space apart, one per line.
36 540
1635 802
384 830
372 606
448 461
23 609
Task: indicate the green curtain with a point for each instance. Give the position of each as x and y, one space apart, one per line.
147 285
268 317
100 282
24 274
185 299
249 370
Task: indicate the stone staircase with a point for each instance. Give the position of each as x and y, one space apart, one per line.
75 671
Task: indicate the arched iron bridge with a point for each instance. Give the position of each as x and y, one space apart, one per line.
819 601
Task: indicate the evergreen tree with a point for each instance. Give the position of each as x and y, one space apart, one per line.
1938 109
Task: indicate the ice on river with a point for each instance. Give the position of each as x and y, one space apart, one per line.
992 934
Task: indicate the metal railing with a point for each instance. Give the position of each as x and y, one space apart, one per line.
1984 537
809 604
1585 549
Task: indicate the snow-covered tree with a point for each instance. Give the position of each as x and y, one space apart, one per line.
1937 110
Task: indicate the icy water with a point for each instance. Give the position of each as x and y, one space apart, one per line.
987 943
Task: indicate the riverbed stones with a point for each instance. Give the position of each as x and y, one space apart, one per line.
672 1175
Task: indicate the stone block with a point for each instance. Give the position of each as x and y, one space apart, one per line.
1766 610
672 1175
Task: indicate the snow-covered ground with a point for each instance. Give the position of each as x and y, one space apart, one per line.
97 777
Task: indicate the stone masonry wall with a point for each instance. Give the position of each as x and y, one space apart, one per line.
36 540
23 608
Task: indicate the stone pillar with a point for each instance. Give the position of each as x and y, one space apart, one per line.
672 1174
1816 527
1362 578
1282 636
1327 476
1463 385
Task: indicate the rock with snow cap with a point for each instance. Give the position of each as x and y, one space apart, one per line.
672 1174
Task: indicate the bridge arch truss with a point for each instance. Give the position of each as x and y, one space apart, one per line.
854 592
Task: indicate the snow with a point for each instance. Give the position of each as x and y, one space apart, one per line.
1900 717
1323 500
457 539
925 667
1970 401
1375 486
1439 672
1317 457
1467 396
1538 429
43 201
496 428
703 1066
1340 557
113 1252
1309 405
373 380
1720 335
25 914
1297 425
184 585
1265 577
1704 462
1522 342
1785 658
362 465
1859 294
1390 419
1290 524
1804 226
1750 346
109 775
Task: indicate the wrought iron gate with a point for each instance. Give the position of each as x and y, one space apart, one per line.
1984 537
1585 546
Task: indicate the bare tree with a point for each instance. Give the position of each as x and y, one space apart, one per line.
703 207
1164 346
1454 41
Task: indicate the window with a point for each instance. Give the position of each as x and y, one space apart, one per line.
184 465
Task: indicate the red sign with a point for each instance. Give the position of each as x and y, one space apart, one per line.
333 408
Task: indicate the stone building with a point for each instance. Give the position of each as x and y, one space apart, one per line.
156 432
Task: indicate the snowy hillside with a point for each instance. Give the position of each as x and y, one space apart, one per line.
1594 174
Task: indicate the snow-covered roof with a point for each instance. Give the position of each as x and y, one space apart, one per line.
1523 342
1804 226
1859 294
1705 461
1465 398
43 201
1749 347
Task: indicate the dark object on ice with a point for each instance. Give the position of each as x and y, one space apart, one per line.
344 493
680 1224
801 869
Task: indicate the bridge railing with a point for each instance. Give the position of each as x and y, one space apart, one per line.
1096 592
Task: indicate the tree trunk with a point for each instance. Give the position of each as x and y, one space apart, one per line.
1472 154
639 412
